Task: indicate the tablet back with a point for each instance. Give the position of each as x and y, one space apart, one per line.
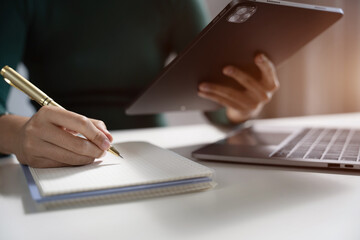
240 31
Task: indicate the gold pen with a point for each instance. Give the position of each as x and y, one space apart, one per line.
16 80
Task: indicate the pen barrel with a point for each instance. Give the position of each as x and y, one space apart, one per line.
15 79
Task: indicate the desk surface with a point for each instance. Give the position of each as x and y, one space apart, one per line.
250 202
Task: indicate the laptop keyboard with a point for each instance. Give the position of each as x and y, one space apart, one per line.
322 144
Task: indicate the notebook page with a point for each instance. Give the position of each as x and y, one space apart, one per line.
143 163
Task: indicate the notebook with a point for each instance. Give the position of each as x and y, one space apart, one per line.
145 171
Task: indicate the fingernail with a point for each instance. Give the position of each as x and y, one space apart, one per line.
204 87
260 58
228 70
105 144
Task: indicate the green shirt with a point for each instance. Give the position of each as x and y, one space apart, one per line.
94 57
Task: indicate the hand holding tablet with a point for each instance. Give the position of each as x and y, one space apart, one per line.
242 104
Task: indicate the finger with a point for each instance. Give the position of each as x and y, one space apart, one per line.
269 76
247 82
240 98
222 101
55 153
77 123
102 127
68 141
40 162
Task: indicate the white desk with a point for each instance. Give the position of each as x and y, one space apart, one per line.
250 202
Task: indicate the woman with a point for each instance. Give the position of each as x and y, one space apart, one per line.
93 59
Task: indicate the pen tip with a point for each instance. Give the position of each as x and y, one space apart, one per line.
114 151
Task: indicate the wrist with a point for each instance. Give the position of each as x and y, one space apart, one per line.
237 117
10 126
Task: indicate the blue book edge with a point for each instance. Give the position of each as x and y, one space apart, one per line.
36 195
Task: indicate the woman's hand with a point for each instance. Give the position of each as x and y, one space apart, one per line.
244 104
48 139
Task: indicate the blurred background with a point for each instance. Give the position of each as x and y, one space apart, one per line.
322 78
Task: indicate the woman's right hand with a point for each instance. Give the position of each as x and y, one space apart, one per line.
48 139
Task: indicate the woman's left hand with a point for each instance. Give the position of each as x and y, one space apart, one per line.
242 105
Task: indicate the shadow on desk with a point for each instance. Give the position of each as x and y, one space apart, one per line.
244 192
13 183
247 192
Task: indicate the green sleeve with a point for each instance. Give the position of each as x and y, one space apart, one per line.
190 17
13 24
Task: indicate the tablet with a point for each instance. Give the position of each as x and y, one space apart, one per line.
240 31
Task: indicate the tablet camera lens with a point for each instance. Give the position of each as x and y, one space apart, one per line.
241 10
234 18
247 15
241 14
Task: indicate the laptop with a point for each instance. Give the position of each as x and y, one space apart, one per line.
288 146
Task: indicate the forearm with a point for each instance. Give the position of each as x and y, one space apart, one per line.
10 126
